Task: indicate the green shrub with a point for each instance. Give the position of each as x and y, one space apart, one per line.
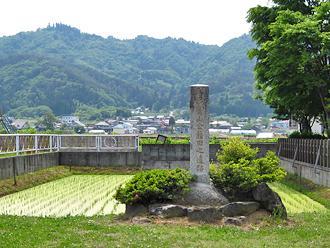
154 186
268 169
305 135
238 171
234 150
234 177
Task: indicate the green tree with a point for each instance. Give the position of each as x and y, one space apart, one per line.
63 126
248 126
265 121
292 68
79 129
171 122
49 120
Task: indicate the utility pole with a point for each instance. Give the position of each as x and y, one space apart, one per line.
3 121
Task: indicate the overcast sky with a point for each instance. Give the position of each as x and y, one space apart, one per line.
210 22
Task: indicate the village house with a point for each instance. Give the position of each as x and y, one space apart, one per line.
76 123
19 125
69 118
103 126
124 128
150 130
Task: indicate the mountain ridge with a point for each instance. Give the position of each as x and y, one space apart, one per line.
144 71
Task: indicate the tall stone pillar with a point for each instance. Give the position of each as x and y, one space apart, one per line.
199 132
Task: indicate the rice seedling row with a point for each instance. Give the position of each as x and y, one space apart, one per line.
75 195
46 192
294 201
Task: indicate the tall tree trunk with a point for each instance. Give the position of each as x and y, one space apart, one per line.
305 126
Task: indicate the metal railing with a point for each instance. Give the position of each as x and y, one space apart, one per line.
34 143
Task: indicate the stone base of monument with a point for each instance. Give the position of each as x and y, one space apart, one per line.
201 194
205 204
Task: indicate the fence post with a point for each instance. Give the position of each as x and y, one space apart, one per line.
15 169
36 143
294 158
17 144
98 142
51 142
137 143
327 154
317 159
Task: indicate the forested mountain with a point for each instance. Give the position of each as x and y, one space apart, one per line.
69 71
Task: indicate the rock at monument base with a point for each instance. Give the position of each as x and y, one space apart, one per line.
207 214
202 194
242 196
240 208
167 211
269 200
135 209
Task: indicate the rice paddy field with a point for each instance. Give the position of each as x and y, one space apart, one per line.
294 201
86 195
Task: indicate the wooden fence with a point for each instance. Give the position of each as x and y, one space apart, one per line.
312 151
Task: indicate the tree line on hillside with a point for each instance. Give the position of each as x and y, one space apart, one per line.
65 69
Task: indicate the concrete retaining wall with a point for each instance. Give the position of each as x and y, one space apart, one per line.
30 163
104 159
27 163
171 156
319 176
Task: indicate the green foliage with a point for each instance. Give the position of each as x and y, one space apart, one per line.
305 135
49 120
235 150
234 177
171 121
154 186
79 129
267 168
27 131
25 111
292 65
64 69
237 171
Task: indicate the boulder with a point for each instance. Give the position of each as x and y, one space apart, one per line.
201 194
239 208
168 211
135 210
206 214
269 200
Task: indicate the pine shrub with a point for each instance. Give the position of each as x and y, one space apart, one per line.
238 171
154 186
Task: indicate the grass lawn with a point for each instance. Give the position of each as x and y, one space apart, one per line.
299 230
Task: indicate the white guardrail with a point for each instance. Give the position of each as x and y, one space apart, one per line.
33 143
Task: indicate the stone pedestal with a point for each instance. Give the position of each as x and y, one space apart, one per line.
199 132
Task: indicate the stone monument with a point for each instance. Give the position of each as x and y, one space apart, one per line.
199 132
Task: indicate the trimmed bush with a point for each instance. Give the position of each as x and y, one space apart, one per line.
237 171
305 135
154 186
